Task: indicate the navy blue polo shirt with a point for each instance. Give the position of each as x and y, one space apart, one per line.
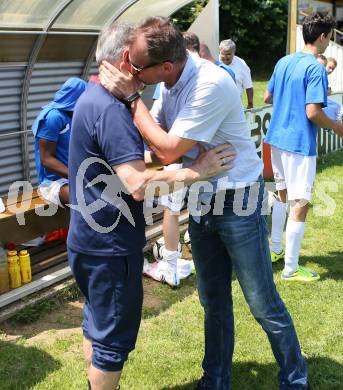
105 219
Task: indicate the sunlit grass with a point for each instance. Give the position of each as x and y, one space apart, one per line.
170 345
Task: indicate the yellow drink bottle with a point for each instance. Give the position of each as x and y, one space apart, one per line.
25 266
4 278
14 269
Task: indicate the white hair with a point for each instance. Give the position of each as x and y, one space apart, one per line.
112 41
227 44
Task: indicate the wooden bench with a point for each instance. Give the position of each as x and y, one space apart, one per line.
35 225
49 261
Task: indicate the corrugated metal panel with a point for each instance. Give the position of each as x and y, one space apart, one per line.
32 161
11 78
93 69
46 79
11 161
16 47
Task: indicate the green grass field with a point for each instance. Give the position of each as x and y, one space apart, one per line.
259 90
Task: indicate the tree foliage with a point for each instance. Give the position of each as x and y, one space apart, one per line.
187 14
259 28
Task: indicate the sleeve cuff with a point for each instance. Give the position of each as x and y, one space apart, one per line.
126 158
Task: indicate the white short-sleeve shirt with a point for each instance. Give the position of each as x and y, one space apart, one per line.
204 105
242 73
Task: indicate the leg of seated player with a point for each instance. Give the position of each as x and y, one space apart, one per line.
64 194
171 231
167 267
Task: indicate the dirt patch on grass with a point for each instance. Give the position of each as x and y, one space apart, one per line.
151 301
64 318
58 322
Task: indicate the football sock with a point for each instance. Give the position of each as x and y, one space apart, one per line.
278 223
294 235
171 257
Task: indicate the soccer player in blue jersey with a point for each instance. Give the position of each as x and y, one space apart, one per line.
51 130
298 92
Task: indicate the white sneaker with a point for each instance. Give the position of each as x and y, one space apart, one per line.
146 267
167 273
184 268
187 241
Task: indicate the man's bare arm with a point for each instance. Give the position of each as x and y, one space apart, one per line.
47 151
250 97
168 148
315 114
136 178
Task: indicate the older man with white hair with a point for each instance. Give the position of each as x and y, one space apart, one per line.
107 232
227 55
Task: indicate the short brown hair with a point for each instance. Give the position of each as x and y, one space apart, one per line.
316 24
192 41
165 41
323 58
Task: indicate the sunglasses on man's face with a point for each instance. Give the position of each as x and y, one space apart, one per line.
139 69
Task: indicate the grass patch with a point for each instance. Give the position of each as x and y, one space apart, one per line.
170 344
260 86
34 312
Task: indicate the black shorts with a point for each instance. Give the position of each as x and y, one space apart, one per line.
113 290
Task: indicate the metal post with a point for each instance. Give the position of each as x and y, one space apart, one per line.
26 86
91 55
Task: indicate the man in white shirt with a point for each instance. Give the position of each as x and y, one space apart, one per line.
199 104
227 50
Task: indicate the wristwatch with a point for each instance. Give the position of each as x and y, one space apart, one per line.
132 98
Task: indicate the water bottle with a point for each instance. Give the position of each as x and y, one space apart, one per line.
25 266
14 269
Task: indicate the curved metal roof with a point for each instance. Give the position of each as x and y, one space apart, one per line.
144 8
90 15
28 14
79 15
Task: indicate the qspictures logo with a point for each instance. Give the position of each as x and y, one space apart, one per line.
203 197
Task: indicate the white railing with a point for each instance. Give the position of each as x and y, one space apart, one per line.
259 119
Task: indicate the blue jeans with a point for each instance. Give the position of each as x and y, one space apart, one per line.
219 243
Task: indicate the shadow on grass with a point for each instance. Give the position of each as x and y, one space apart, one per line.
332 263
329 160
50 314
324 374
23 367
